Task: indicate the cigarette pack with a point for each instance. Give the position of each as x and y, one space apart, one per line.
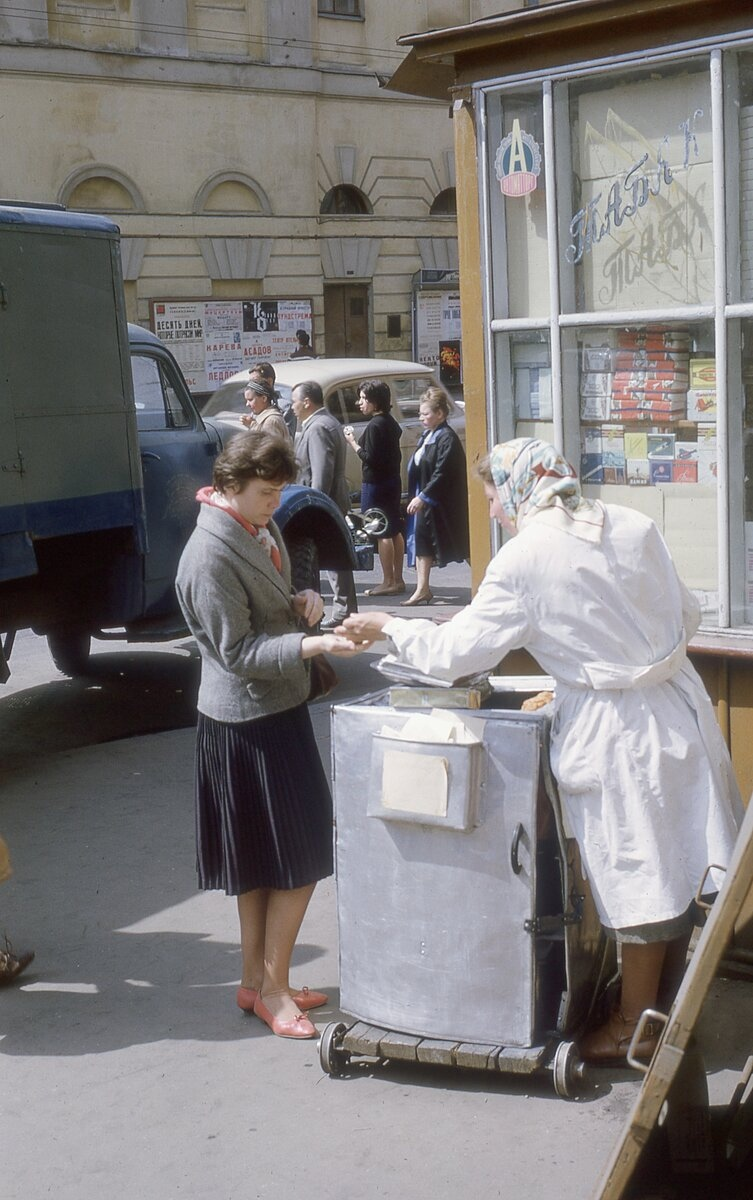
661 445
637 472
684 471
660 470
703 374
701 404
597 358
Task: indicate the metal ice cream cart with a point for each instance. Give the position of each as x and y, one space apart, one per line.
468 936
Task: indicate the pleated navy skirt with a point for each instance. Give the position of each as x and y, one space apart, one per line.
263 805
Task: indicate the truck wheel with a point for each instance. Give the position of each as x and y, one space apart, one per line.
304 563
70 650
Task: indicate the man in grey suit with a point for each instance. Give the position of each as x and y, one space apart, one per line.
320 448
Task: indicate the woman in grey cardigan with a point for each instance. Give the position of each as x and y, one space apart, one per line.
263 807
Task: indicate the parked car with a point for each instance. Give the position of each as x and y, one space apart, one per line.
339 379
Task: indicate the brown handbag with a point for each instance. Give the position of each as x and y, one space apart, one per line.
323 677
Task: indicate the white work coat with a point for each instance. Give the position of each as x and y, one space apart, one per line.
644 776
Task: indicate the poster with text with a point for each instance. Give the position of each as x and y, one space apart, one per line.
213 339
438 329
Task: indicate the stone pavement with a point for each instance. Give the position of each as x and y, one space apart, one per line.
128 1070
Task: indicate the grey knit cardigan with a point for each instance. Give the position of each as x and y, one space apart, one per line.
238 607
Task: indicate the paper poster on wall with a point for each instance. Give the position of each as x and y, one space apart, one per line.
438 342
212 339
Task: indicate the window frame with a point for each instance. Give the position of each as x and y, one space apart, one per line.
725 311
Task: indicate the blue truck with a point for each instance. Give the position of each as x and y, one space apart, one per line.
102 451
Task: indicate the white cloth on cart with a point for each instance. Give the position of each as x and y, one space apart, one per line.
644 776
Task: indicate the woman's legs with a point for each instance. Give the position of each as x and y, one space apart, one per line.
284 916
391 551
252 914
422 593
641 973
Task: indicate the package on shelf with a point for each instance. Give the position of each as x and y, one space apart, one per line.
654 338
701 404
686 451
660 470
637 472
533 393
661 446
591 458
651 360
657 384
613 453
596 383
684 470
703 374
597 358
636 444
707 454
594 408
638 407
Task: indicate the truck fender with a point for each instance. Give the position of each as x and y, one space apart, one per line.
306 514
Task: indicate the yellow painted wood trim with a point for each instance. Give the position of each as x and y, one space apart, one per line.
472 319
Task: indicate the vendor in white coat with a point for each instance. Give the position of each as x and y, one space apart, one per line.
644 776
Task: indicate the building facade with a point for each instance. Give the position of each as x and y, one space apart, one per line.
251 159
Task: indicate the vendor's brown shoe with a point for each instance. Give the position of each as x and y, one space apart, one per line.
11 965
610 1043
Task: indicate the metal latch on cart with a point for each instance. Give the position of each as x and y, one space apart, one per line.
549 925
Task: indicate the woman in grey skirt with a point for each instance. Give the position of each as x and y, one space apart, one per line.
263 807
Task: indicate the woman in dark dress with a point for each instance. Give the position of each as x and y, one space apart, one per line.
379 451
437 484
263 808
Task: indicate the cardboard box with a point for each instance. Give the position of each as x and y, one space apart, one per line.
660 470
661 445
684 471
703 374
637 472
701 404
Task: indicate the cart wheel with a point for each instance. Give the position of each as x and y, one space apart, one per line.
332 1057
567 1069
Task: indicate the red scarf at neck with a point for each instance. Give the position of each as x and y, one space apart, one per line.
206 495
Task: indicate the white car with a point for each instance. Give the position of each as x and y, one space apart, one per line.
339 379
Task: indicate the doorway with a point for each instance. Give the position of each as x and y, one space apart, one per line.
346 320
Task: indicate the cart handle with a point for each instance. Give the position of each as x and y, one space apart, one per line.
515 862
700 902
648 1014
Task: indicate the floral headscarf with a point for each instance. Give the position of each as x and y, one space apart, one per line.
532 478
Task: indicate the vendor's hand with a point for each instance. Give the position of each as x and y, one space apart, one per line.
248 419
309 606
415 505
535 702
365 628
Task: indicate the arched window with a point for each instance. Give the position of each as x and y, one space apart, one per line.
345 200
101 188
445 204
231 192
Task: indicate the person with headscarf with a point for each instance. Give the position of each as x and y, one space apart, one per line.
261 399
644 777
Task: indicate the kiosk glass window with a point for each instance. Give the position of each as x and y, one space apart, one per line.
636 224
648 434
739 77
523 369
517 199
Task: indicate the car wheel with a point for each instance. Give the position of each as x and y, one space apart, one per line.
70 649
304 563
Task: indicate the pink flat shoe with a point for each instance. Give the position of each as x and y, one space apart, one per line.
298 1027
305 998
